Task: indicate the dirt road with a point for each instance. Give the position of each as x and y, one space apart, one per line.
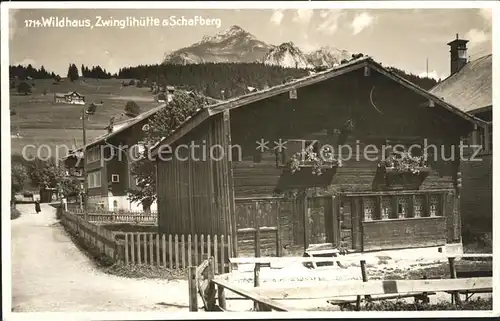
50 274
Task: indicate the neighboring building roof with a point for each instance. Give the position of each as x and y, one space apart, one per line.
123 125
69 93
203 113
470 88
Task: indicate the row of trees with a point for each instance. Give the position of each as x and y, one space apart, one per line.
96 72
423 82
40 173
26 72
227 80
217 80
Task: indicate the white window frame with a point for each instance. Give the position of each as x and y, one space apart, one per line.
90 178
94 179
98 179
94 155
115 178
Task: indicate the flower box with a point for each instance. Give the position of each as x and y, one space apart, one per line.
397 171
325 165
396 178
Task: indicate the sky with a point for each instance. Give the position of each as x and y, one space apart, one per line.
403 38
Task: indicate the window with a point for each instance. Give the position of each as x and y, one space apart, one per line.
115 178
94 154
402 203
94 179
370 204
90 180
434 205
386 208
138 181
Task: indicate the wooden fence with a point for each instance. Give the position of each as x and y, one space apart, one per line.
201 280
118 216
92 235
175 251
388 289
169 251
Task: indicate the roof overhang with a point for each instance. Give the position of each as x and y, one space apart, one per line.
481 110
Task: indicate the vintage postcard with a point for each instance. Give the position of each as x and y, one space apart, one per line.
326 159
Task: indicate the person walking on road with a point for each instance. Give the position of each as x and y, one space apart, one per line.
37 206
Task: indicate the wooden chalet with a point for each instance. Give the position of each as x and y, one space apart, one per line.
469 88
247 193
71 97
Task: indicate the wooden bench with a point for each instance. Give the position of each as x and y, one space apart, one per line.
419 297
321 250
474 274
469 293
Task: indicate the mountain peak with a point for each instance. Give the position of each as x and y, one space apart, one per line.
233 31
287 55
231 45
235 44
235 28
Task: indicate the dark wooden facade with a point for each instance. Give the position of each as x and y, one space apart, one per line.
357 204
114 159
200 201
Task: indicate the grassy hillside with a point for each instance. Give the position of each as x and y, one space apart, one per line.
41 121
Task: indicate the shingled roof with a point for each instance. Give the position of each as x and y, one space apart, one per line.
470 88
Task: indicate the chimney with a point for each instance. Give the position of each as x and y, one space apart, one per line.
458 54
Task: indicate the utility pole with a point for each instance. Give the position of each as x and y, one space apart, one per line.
84 172
427 67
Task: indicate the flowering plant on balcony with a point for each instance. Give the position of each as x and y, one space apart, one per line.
308 157
405 163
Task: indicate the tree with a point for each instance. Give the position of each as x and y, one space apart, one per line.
162 124
145 191
19 178
70 186
72 72
132 109
46 173
24 88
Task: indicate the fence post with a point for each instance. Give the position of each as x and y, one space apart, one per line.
364 276
221 296
256 270
455 297
193 295
365 279
211 285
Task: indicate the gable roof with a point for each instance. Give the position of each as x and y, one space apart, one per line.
124 125
470 88
204 113
69 93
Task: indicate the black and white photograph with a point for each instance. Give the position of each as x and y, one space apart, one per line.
327 159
